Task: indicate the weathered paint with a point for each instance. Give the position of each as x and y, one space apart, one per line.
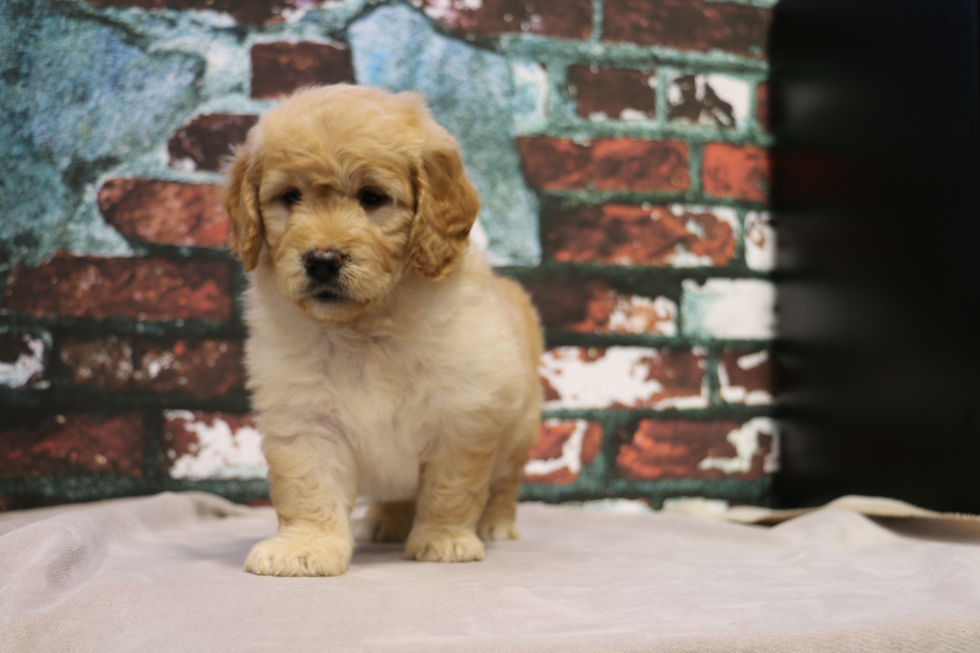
640 315
760 241
571 453
746 443
19 373
220 452
737 394
684 258
620 376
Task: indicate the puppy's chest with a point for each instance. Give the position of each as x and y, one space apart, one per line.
376 389
382 400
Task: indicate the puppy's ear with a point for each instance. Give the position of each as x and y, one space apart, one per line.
240 197
446 204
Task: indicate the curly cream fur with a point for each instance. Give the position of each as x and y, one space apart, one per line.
420 388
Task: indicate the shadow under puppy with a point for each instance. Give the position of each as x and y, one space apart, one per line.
384 357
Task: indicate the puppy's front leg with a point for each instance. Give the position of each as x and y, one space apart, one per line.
313 488
452 494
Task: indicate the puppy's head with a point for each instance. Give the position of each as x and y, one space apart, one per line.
340 190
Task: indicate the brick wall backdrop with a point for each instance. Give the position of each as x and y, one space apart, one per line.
620 146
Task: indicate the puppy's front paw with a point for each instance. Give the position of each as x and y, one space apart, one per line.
310 553
502 530
443 545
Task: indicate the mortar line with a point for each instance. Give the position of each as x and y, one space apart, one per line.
597 21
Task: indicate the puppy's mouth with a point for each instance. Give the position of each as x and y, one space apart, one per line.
328 295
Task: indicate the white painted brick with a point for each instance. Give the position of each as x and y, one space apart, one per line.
729 308
760 241
19 373
636 315
622 376
733 91
221 450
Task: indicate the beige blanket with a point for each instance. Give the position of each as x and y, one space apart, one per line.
164 574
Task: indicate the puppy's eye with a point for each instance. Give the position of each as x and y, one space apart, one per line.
370 199
292 197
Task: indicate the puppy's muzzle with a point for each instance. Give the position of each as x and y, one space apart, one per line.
323 269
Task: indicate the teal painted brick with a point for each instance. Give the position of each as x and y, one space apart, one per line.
471 92
78 97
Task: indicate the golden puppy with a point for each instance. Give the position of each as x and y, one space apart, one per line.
384 357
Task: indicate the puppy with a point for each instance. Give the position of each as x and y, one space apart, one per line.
384 357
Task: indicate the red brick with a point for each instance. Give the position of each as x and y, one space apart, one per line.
167 213
549 392
552 437
572 305
680 371
610 91
566 18
23 360
245 12
674 449
208 139
736 171
746 376
144 289
203 367
12 347
73 444
606 164
632 235
593 306
688 25
104 363
281 68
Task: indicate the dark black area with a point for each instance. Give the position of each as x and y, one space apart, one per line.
877 123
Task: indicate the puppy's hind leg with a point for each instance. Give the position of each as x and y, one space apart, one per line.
390 521
500 513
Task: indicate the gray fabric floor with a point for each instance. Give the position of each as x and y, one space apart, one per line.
164 573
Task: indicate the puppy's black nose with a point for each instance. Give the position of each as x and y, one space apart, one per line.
323 266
